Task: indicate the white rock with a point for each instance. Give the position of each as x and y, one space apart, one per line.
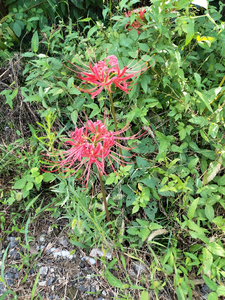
43 271
97 252
42 283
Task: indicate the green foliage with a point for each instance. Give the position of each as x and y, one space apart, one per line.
176 183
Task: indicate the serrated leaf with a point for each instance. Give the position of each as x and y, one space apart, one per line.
35 42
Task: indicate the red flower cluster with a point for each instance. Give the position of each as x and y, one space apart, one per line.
104 73
139 12
90 144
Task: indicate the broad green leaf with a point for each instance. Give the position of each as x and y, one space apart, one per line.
193 163
142 163
17 29
220 290
74 116
35 42
199 120
209 212
144 295
204 100
221 181
180 293
91 31
39 179
29 186
211 284
216 249
190 31
192 209
213 130
48 177
212 296
207 260
19 184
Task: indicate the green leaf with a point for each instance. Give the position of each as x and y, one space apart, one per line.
39 179
204 100
48 177
212 296
142 163
17 29
221 181
29 186
211 284
213 130
207 260
19 184
180 293
74 91
113 280
216 249
199 120
144 295
193 163
35 42
209 212
192 209
190 31
221 290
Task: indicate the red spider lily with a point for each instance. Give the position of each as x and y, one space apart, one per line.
136 24
104 73
90 144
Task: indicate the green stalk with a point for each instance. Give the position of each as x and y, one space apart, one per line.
114 118
104 199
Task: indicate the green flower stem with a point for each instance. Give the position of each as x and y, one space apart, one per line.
114 118
104 199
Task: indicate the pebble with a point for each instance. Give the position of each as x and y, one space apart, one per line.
2 288
50 281
13 242
43 271
9 276
89 259
139 267
83 288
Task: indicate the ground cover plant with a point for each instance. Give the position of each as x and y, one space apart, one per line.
127 110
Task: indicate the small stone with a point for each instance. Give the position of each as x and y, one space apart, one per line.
43 271
92 290
89 259
42 283
104 293
50 281
13 242
82 264
42 238
9 278
83 288
2 288
63 241
139 267
205 289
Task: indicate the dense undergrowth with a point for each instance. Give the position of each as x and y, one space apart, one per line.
170 202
